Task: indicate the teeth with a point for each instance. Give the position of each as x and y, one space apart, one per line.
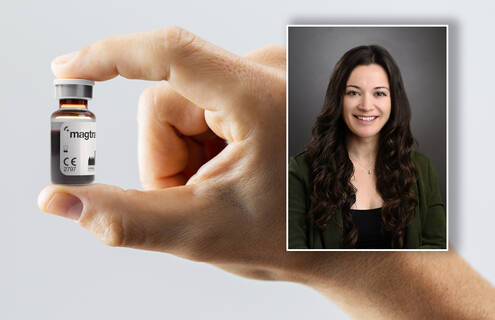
366 118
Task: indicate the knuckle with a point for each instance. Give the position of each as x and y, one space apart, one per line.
177 38
114 235
103 220
105 226
117 232
174 34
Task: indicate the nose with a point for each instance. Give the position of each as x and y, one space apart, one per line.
366 103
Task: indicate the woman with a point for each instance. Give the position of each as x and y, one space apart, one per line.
359 184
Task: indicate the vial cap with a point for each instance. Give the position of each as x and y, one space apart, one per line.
73 89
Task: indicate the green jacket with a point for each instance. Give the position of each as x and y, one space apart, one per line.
427 230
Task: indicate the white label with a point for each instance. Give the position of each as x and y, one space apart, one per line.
77 148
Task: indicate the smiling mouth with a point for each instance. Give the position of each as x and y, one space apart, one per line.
366 118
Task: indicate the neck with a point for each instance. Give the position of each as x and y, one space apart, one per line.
362 149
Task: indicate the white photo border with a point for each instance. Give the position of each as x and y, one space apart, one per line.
446 26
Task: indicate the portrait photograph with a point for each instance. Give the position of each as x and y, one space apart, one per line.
367 137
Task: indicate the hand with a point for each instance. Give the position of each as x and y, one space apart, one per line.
227 207
204 200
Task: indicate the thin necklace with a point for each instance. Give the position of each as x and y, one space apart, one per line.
370 171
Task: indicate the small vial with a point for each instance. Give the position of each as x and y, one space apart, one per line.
73 133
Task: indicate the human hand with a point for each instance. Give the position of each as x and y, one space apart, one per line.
225 207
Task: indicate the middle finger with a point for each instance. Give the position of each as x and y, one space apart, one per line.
165 121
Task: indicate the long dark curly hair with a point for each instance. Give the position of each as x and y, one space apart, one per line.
332 169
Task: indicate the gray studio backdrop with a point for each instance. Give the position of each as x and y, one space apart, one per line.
421 55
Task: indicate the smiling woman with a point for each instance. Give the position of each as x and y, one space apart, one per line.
359 184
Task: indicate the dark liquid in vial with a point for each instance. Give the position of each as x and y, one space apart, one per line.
57 176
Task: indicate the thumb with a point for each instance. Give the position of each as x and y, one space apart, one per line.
161 220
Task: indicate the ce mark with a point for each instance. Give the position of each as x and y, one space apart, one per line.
72 161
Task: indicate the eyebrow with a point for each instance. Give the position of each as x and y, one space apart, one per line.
357 87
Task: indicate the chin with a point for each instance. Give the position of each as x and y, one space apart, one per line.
365 133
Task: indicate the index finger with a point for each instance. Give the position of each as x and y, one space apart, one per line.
207 75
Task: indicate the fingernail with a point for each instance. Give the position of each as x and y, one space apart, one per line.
65 58
65 205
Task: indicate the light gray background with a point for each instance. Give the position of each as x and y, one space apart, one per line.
50 268
421 55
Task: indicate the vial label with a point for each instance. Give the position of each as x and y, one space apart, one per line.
77 148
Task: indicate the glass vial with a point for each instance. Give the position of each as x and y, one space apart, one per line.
73 133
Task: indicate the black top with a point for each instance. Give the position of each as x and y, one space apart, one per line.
370 229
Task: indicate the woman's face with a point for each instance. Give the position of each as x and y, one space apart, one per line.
367 103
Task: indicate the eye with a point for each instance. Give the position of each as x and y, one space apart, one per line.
380 94
352 93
